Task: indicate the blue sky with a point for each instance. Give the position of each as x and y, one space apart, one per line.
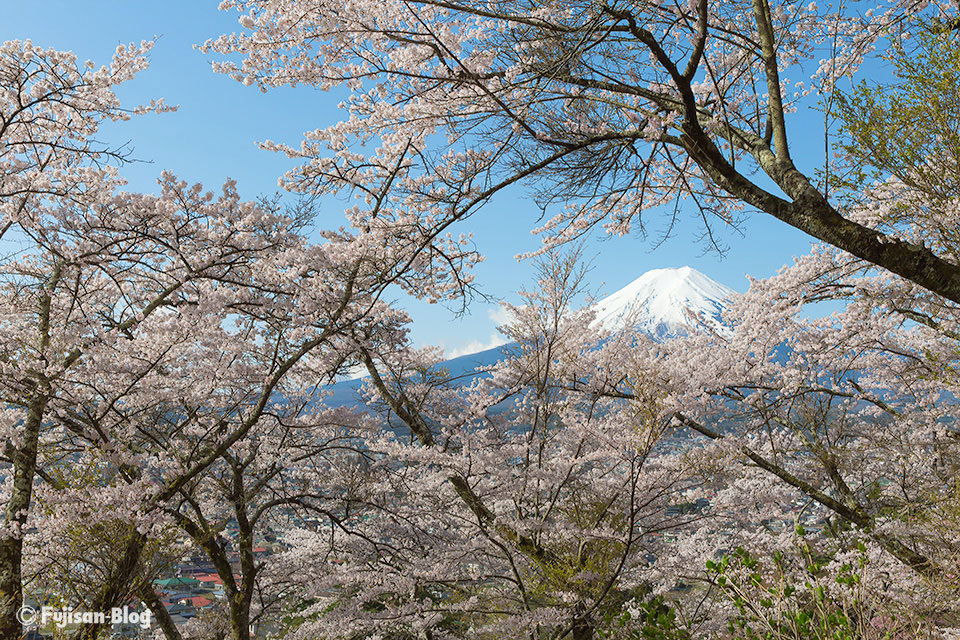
212 137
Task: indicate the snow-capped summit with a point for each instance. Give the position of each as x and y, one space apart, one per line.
666 302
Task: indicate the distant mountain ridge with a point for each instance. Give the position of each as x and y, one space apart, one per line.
665 303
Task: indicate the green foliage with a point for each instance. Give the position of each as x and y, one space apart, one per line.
582 564
775 601
911 128
653 619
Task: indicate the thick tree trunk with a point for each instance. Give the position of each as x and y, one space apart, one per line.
24 469
240 604
582 628
806 208
117 586
240 622
161 617
15 517
811 213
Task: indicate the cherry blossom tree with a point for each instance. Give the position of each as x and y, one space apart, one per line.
611 109
505 505
146 336
52 108
160 353
177 334
290 473
50 113
87 315
842 425
856 412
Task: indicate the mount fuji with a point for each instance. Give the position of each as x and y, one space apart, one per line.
665 303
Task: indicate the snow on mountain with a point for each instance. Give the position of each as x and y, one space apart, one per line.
666 302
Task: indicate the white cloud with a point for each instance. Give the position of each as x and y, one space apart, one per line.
500 315
356 371
475 346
